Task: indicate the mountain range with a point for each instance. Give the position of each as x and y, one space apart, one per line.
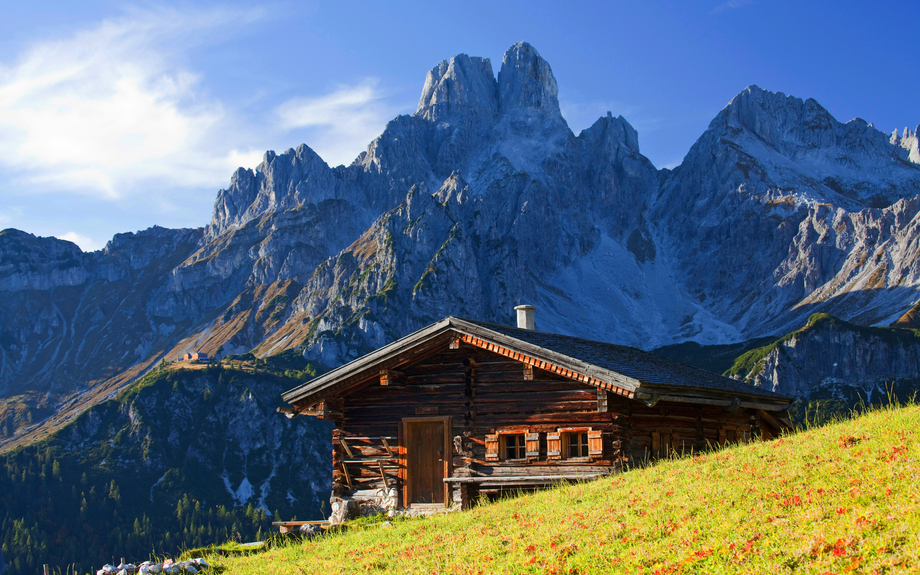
481 200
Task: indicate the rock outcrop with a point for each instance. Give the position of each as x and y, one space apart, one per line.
830 357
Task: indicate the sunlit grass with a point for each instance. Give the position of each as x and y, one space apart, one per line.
839 499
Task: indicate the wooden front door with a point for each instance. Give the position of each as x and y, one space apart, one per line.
426 460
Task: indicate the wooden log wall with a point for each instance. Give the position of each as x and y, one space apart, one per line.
483 393
675 428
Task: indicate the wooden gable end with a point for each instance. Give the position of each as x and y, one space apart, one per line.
500 421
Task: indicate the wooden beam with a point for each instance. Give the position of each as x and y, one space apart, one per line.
528 372
392 377
524 479
383 475
347 448
769 418
601 400
347 476
318 410
733 406
387 446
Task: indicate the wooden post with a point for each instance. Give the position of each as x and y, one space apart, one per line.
347 476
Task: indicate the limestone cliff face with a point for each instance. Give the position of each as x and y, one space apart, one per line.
794 213
829 355
480 200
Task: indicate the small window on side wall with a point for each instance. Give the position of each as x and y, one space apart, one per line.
729 434
664 443
513 446
577 444
574 443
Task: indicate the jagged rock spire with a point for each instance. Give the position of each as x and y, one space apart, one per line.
526 81
463 85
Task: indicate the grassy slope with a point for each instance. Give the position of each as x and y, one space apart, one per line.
837 499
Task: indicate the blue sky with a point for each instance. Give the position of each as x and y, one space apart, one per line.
117 116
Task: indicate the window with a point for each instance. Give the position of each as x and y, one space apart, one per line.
574 443
664 442
514 447
577 443
733 434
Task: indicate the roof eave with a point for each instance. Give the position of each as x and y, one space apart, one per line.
365 362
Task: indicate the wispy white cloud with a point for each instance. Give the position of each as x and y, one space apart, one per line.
731 4
107 108
110 113
342 122
86 243
9 215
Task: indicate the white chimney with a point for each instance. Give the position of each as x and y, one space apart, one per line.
525 315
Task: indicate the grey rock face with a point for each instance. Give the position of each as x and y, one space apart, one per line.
527 81
29 262
481 200
831 353
461 86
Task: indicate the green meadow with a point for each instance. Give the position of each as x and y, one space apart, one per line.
842 498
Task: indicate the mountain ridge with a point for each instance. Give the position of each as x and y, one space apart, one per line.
481 199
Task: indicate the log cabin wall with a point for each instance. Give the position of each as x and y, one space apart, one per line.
486 398
669 428
484 394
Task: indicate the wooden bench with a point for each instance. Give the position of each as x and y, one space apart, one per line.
294 526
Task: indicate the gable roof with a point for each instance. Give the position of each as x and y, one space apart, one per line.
624 370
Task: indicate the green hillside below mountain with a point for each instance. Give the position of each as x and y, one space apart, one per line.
183 458
836 499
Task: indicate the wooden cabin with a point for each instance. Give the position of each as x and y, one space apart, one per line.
462 407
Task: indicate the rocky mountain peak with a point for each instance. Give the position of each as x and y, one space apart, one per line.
613 134
526 81
280 182
909 141
779 120
462 85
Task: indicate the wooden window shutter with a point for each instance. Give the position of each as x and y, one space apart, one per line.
492 447
533 444
595 443
553 446
656 442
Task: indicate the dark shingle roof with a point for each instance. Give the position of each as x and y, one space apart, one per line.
643 366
